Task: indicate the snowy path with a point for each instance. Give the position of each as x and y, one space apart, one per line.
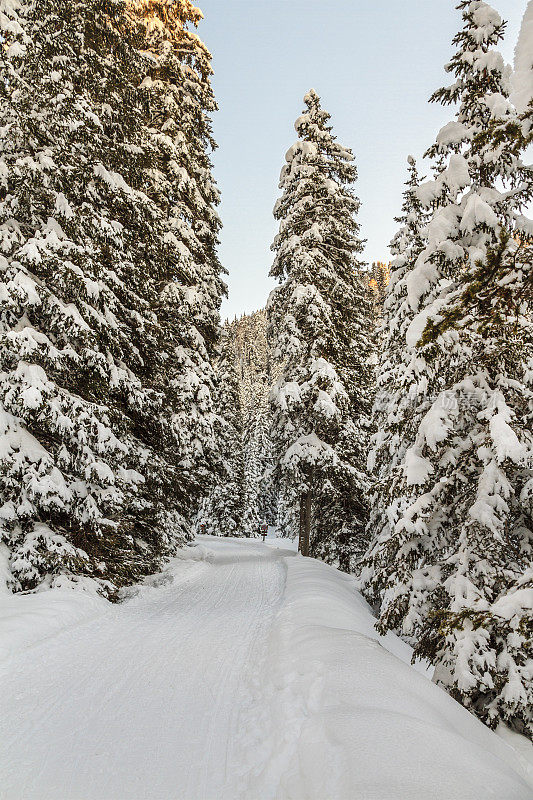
240 673
146 697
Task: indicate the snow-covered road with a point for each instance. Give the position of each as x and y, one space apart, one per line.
143 702
240 673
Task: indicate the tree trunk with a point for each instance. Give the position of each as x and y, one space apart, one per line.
305 523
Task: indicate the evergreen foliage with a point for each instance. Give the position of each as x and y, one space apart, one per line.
222 514
320 319
400 381
177 103
257 370
260 495
379 278
453 567
109 286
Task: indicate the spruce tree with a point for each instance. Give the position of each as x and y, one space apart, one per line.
455 576
93 477
223 512
177 103
379 278
252 443
401 378
257 370
260 497
320 319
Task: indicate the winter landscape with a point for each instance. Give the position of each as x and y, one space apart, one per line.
280 550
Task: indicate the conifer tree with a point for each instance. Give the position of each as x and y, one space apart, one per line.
320 319
93 477
379 277
456 574
177 103
222 513
260 499
401 377
257 371
252 442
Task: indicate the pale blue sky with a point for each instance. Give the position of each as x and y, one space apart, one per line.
374 64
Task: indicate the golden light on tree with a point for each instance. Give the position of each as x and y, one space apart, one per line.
167 14
168 24
379 278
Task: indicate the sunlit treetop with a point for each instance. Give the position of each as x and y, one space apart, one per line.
168 21
167 10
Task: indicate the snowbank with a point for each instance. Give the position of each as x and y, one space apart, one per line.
344 716
291 545
26 619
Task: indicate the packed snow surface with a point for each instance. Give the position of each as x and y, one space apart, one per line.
242 671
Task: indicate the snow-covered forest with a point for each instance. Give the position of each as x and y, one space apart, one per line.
377 418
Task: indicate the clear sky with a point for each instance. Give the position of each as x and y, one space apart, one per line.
374 64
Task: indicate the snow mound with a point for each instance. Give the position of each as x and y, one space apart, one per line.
26 619
344 716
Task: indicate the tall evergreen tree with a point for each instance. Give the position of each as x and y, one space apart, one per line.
455 574
401 379
260 499
177 103
379 277
256 370
222 514
92 472
320 319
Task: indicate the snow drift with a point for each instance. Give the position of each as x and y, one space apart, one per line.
346 716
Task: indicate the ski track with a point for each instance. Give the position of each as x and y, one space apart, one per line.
147 696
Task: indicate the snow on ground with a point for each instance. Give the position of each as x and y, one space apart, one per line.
350 718
241 672
282 544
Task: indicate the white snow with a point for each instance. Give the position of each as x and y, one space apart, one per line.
486 19
349 718
453 133
310 449
506 442
507 606
416 468
417 326
63 206
457 175
477 212
522 78
242 672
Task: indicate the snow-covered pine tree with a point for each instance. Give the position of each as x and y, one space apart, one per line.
401 378
267 493
260 499
459 580
252 444
320 319
91 469
222 513
379 277
257 371
177 103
